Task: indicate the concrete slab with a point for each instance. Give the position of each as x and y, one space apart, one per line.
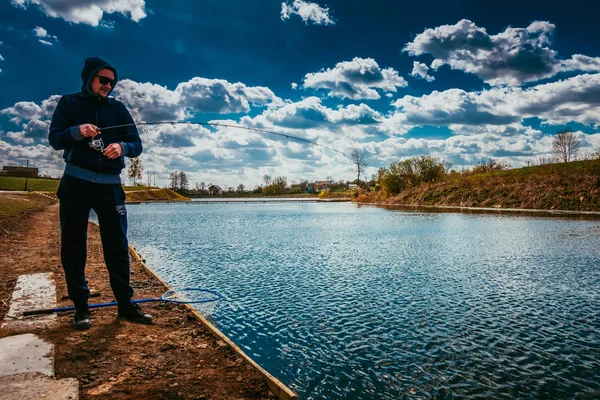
36 386
26 354
32 292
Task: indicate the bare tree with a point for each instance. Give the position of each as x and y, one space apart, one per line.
174 178
566 145
135 169
241 188
303 185
183 182
267 179
358 158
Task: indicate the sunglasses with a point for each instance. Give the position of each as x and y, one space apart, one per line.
104 80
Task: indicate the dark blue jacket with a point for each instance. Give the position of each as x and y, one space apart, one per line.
87 108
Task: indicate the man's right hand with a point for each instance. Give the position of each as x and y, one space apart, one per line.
88 130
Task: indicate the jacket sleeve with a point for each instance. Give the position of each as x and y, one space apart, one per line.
61 134
132 146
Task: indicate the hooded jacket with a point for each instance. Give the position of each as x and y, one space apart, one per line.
85 107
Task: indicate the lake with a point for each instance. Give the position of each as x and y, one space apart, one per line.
346 302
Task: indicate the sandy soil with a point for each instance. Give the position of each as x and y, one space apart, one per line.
175 358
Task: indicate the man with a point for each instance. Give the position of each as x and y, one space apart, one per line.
94 160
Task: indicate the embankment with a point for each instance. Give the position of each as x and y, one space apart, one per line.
573 186
151 195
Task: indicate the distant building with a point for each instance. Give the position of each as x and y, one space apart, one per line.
215 189
19 171
320 186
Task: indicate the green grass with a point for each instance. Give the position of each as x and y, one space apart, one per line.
33 184
44 185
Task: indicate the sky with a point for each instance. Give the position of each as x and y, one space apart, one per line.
464 81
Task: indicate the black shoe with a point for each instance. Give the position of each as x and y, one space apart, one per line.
82 319
132 312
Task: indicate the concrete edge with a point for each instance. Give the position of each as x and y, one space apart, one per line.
275 385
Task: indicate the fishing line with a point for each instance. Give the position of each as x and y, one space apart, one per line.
206 299
285 135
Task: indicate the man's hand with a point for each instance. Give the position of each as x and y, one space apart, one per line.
113 150
88 130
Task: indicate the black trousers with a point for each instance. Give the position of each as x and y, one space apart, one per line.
77 197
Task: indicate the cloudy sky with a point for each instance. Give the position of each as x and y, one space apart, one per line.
458 80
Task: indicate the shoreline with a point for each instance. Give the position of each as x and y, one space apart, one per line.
275 385
487 210
175 357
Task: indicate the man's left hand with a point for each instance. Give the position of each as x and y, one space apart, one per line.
113 150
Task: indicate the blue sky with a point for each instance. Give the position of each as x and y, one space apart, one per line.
462 81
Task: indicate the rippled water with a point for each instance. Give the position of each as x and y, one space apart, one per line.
341 302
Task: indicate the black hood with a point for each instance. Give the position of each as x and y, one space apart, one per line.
90 68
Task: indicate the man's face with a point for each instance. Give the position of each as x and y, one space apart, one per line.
103 82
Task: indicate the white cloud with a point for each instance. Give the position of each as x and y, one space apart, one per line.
453 106
153 102
576 99
107 24
150 102
309 113
309 12
220 96
45 37
579 62
40 32
420 71
358 79
88 12
511 57
23 110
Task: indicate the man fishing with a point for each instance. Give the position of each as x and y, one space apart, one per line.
91 180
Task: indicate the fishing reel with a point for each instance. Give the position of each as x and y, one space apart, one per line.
97 144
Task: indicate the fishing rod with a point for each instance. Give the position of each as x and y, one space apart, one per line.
285 135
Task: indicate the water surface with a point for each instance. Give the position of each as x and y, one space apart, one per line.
341 302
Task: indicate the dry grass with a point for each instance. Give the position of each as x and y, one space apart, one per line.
568 186
13 205
155 195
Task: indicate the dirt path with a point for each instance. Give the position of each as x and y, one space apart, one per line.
175 358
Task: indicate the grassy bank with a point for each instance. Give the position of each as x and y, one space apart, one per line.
33 184
571 186
134 193
134 196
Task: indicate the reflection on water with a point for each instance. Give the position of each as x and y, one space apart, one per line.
341 302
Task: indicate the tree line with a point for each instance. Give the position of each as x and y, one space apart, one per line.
399 175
